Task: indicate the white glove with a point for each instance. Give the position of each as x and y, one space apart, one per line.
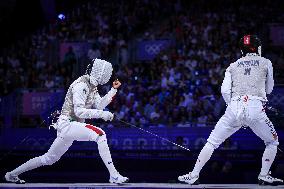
107 116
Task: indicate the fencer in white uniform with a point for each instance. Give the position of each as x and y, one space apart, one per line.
82 102
244 89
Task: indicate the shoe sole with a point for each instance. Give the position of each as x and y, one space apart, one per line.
264 183
127 180
194 183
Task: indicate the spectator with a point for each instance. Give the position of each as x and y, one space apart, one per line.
49 83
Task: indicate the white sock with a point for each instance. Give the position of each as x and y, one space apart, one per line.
268 158
203 157
29 165
106 156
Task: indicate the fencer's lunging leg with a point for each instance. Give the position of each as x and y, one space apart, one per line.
29 165
203 157
105 154
223 129
83 132
87 132
57 149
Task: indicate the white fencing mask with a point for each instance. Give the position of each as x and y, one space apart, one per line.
101 72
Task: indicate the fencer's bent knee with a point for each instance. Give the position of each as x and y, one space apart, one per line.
49 159
97 138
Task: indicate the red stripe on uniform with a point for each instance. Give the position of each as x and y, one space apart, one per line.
97 130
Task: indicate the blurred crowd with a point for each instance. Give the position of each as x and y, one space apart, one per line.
183 83
181 86
166 93
107 25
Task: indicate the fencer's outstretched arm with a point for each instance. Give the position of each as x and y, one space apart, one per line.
269 79
80 93
226 88
102 102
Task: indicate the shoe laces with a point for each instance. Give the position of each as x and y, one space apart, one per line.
268 176
13 177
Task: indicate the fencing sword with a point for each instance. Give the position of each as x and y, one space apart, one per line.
153 134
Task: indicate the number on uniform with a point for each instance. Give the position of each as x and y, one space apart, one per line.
247 71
